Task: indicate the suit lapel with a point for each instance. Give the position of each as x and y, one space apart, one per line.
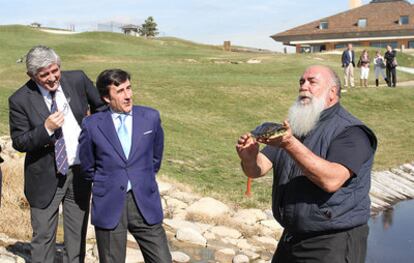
108 130
71 97
37 100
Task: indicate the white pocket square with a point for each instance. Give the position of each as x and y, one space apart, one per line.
147 132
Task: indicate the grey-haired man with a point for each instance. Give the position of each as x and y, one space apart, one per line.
45 118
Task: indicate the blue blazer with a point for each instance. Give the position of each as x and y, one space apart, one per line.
105 163
346 59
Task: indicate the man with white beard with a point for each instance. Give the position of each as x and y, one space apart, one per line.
322 168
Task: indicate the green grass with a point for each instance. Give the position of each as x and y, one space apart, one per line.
205 105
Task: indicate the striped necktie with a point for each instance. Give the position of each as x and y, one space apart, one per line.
61 157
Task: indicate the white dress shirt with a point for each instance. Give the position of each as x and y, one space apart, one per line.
128 124
71 129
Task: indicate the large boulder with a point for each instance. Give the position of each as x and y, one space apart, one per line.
190 235
208 207
180 257
224 255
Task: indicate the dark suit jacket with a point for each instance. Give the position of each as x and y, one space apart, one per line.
28 112
346 59
106 165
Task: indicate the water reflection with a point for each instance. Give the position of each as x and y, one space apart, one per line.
387 218
391 236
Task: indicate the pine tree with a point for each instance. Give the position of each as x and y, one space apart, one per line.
148 28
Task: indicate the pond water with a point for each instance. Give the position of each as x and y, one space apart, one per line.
391 235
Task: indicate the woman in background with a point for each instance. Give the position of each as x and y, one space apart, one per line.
379 67
364 64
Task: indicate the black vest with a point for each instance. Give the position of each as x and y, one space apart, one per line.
302 207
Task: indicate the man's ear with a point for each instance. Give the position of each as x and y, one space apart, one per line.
30 75
106 99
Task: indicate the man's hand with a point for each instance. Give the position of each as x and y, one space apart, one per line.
254 164
247 148
54 121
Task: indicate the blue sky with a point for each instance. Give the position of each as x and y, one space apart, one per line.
243 22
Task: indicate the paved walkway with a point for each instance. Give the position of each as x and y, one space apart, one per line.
406 69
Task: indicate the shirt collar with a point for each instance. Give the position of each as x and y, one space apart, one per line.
115 114
45 92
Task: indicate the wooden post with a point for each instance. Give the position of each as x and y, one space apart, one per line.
227 45
248 192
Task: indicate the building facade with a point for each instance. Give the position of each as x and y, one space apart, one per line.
377 24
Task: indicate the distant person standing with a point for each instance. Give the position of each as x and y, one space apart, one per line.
348 63
391 64
363 63
379 67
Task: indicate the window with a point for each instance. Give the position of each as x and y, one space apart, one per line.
404 20
323 25
384 44
410 44
362 22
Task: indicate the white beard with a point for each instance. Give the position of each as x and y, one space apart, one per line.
303 117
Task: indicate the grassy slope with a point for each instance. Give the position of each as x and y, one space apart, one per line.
205 106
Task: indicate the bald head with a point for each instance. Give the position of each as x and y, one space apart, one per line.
321 80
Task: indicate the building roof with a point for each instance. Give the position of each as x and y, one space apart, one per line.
382 17
130 26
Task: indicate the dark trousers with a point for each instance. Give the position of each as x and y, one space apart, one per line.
342 247
151 239
391 76
74 194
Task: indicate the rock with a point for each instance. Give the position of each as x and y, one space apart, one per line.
241 259
254 61
249 216
272 224
184 196
252 255
190 60
191 236
204 208
164 187
163 204
90 232
209 236
269 213
268 242
176 204
225 232
224 255
134 256
95 252
178 223
180 214
7 259
180 257
204 227
243 244
232 241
